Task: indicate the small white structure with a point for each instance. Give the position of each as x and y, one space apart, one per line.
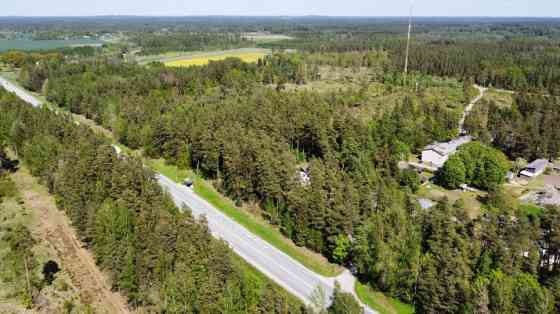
426 203
437 154
535 169
510 176
117 149
303 175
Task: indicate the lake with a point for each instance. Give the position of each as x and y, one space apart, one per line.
23 44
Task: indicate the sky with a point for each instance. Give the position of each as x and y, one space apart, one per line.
547 8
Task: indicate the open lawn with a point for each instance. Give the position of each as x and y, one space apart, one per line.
469 199
518 189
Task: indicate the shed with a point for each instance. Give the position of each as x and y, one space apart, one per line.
535 168
426 203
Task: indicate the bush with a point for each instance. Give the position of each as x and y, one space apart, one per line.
7 187
477 165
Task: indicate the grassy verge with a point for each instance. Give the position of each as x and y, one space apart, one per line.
381 303
261 229
260 280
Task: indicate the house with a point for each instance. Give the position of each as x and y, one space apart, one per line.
535 169
552 182
437 154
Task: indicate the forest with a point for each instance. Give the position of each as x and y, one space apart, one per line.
358 208
528 129
158 255
253 129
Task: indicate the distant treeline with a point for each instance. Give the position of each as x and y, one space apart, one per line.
156 43
18 58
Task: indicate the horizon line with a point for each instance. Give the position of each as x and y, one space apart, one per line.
275 16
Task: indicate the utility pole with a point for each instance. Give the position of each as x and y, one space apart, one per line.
408 38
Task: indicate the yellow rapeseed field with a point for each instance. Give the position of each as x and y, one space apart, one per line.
249 57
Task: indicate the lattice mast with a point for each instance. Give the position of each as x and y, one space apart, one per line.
408 38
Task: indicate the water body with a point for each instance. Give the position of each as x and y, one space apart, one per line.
27 44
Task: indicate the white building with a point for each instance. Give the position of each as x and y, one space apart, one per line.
435 155
535 169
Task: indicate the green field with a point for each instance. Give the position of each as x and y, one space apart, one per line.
20 44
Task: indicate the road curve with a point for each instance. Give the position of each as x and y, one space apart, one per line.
275 264
20 92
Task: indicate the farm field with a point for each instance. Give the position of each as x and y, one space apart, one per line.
203 59
181 58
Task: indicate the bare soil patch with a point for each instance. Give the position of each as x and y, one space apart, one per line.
54 227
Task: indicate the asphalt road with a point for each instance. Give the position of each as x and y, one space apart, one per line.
276 265
21 93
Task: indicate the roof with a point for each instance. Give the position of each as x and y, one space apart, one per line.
448 148
552 181
538 164
426 203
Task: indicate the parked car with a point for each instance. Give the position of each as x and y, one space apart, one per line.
188 183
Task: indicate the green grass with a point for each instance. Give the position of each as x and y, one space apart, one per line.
531 210
437 193
259 279
500 98
260 228
381 303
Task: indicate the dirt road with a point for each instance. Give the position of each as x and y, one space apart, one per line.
54 227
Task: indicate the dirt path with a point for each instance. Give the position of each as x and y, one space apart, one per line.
468 109
54 227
